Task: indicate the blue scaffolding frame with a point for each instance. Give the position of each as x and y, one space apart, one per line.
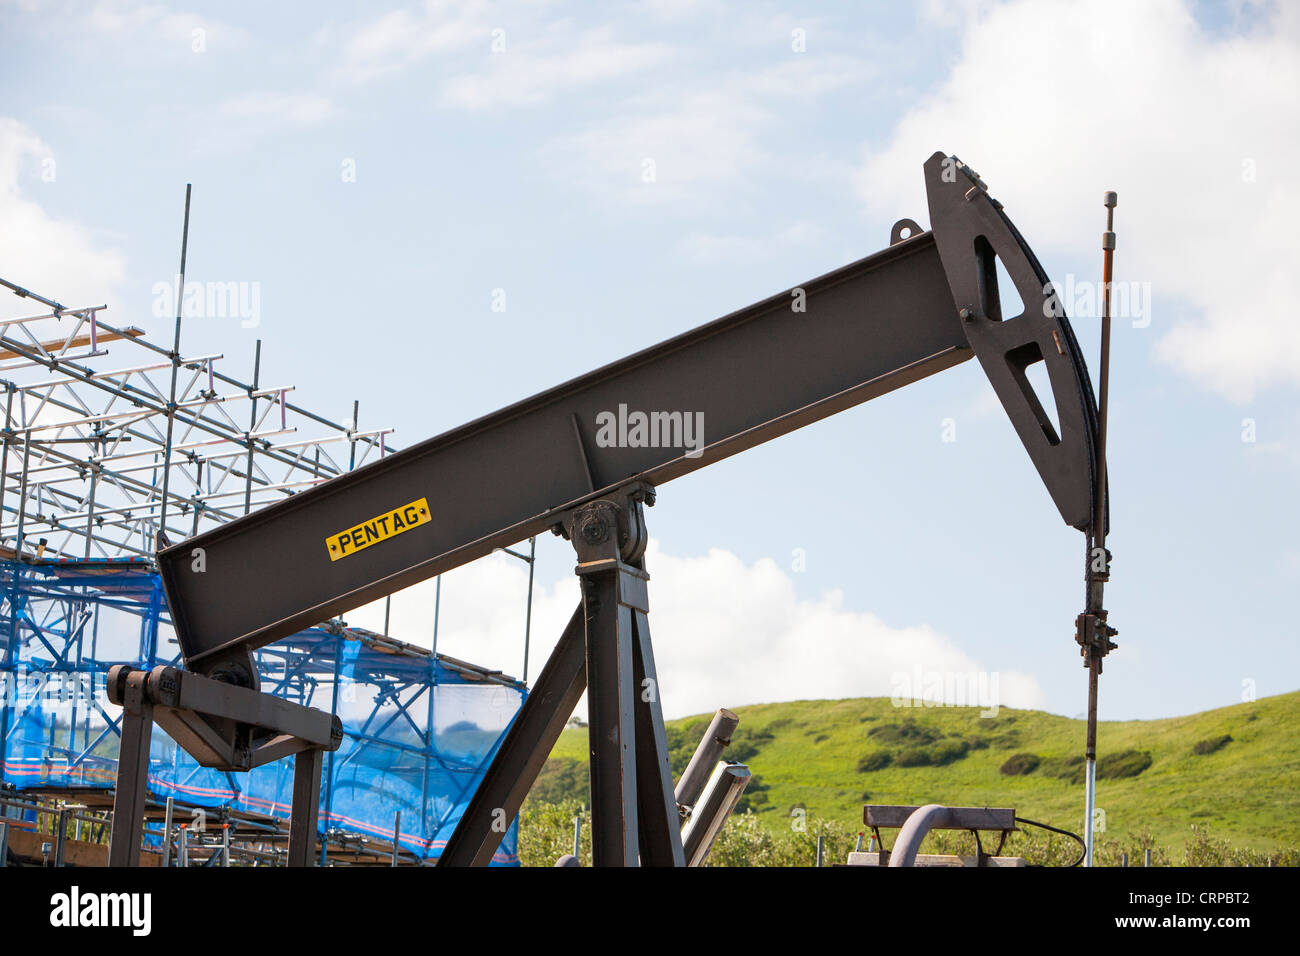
419 728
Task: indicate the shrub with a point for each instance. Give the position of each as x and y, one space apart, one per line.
916 757
949 751
976 742
1128 763
1020 764
908 732
1211 744
876 760
1069 768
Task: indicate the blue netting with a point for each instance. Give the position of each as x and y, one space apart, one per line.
418 734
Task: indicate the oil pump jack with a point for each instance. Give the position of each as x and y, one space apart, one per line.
927 302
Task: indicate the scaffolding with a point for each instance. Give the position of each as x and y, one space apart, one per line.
97 461
102 459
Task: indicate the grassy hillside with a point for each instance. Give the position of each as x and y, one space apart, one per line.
830 757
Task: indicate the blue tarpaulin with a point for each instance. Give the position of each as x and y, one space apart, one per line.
419 731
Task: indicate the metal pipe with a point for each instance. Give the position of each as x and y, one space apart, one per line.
722 791
176 366
61 837
252 426
167 833
1097 545
528 611
922 821
715 740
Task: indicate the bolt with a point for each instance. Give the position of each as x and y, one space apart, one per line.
594 531
966 315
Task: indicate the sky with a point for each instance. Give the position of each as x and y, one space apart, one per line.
441 208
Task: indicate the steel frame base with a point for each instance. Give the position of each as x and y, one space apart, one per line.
220 725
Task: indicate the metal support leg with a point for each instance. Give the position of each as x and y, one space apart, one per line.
527 744
611 730
60 837
167 833
132 773
661 837
306 807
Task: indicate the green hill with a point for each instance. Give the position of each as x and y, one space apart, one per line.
1235 770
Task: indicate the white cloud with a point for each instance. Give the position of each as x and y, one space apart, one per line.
402 38
293 109
1054 102
662 152
533 70
708 249
703 140
157 27
725 633
56 258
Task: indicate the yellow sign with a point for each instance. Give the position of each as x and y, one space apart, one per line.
387 525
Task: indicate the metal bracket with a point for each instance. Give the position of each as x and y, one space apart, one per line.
221 725
606 650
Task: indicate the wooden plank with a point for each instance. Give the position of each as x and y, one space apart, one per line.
961 818
27 846
936 859
54 346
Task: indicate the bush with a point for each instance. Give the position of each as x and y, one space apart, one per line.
1211 745
1069 769
876 760
976 742
1128 763
949 751
1020 764
546 832
916 757
908 732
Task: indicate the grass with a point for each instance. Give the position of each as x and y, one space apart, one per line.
1234 770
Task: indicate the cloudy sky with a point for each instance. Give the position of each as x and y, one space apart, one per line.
450 206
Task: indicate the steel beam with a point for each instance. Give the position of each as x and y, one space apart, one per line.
660 826
306 807
130 795
611 727
837 340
